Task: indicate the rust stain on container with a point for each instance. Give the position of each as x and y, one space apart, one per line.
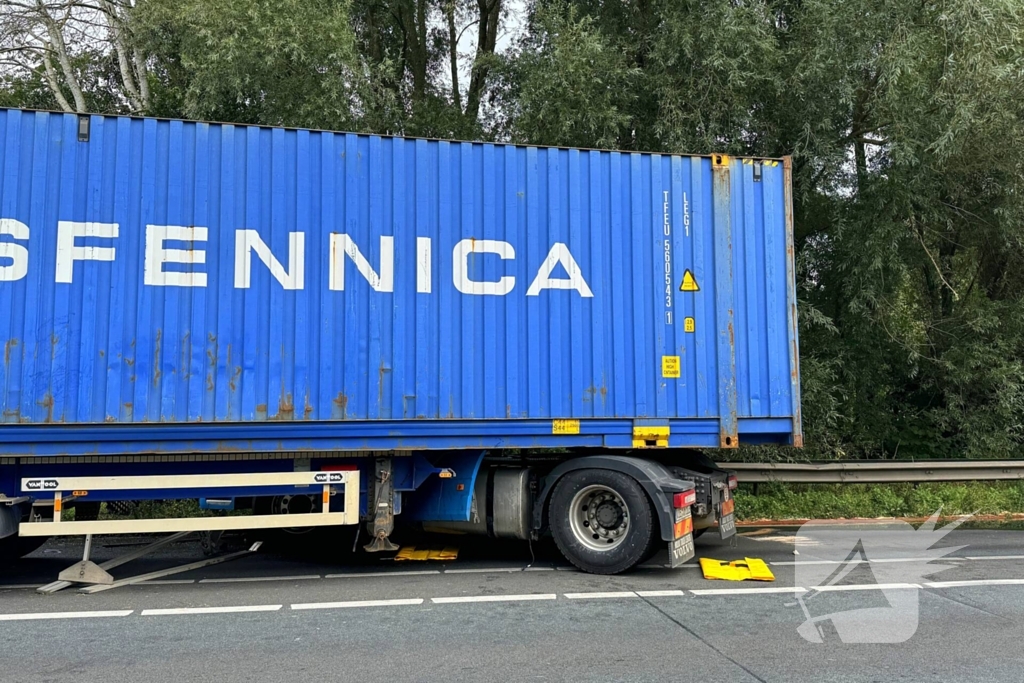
285 409
261 411
341 405
8 348
380 382
47 403
156 357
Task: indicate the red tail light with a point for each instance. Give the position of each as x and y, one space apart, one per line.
733 482
684 499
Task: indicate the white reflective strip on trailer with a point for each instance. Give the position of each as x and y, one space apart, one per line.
137 526
182 481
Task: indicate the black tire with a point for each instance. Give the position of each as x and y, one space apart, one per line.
640 536
697 533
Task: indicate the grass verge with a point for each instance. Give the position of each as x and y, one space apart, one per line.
844 501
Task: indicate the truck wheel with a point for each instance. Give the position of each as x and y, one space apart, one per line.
602 521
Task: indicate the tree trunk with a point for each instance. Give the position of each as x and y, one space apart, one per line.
487 37
453 52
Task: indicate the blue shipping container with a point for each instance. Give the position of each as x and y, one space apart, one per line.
169 286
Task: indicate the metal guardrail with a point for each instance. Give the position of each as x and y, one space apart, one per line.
877 472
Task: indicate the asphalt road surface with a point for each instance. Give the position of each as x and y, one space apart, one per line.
498 613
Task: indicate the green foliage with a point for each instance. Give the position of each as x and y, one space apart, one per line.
278 62
833 501
567 84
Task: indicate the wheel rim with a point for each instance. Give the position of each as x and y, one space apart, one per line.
599 517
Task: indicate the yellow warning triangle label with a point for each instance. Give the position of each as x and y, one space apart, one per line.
689 283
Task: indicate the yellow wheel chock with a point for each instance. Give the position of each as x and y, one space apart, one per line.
738 570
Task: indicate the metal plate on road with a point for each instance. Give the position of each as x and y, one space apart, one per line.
727 525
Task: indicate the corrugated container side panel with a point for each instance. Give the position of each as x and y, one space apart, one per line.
295 321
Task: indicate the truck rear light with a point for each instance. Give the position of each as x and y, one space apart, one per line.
683 527
733 482
684 499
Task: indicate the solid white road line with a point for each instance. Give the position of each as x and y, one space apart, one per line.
358 603
976 582
749 591
600 594
863 587
495 570
209 610
890 559
493 598
992 557
255 579
65 615
166 582
913 559
370 575
538 569
660 594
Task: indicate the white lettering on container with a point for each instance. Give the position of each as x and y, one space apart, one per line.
423 265
18 254
342 245
559 254
157 256
68 252
248 241
460 266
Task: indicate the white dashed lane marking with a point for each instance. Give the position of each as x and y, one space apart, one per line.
976 582
493 598
358 603
749 591
361 575
530 597
209 610
864 587
253 579
65 615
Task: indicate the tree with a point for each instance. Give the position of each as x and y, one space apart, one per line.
65 38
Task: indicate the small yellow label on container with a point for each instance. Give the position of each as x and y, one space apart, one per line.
689 325
565 426
670 367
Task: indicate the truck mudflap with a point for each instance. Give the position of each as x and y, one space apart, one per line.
680 548
725 510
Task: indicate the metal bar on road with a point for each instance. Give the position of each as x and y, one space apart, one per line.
877 471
